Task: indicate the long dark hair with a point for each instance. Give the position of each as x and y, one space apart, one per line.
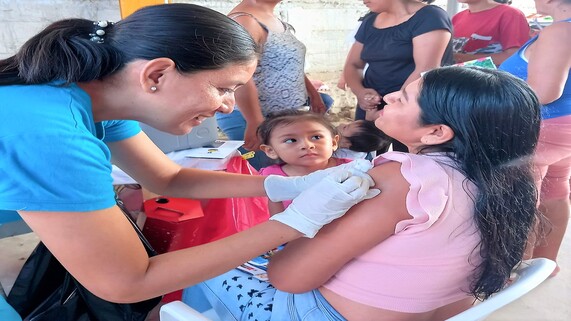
194 37
495 118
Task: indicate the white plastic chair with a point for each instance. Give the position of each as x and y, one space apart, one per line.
527 276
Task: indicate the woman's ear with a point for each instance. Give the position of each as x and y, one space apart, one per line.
438 134
153 72
270 152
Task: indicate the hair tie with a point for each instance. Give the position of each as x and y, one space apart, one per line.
97 35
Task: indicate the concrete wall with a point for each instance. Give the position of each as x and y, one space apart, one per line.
322 25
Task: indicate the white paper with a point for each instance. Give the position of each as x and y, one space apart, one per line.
222 151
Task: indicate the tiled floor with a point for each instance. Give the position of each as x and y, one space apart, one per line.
548 302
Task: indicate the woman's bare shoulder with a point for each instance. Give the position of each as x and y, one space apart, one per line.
388 174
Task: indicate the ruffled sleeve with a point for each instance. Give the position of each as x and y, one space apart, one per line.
429 189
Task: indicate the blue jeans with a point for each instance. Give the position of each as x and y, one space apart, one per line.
233 125
237 295
327 100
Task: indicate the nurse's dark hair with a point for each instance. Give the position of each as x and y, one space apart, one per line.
194 37
495 118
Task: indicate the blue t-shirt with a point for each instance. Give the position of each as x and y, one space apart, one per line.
53 154
516 64
389 52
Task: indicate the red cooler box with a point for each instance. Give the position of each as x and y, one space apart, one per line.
172 223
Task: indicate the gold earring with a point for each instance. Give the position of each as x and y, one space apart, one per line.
153 88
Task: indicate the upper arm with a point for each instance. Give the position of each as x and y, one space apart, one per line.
427 52
247 95
354 65
247 99
99 248
306 264
353 59
550 53
428 49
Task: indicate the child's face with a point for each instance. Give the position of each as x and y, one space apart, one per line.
346 130
303 143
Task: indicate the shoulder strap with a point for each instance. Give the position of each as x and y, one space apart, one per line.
240 14
287 26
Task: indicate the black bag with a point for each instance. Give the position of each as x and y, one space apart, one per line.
45 291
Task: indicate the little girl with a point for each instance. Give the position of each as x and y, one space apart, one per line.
301 142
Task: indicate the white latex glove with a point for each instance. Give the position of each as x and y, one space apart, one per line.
282 188
327 200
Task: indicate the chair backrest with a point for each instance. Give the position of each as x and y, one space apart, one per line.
528 275
178 311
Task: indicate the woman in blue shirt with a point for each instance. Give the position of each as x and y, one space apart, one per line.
70 99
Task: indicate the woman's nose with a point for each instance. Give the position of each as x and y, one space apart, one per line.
389 98
227 105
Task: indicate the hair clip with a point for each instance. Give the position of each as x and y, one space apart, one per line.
97 36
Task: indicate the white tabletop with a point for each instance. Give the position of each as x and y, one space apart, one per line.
179 157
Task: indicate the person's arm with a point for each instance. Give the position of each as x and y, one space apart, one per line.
341 83
549 62
247 100
367 98
315 101
102 251
427 51
141 159
146 164
247 95
304 265
275 207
